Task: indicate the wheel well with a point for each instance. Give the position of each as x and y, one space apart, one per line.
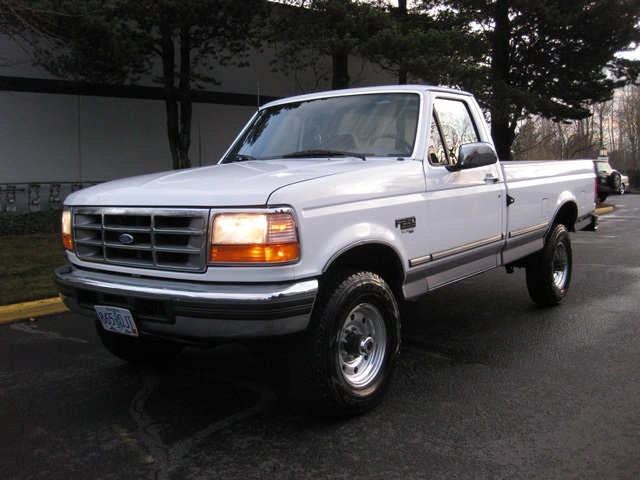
375 258
567 216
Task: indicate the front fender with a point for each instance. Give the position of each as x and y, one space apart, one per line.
361 234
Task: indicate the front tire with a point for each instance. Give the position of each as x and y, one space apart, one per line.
343 364
549 270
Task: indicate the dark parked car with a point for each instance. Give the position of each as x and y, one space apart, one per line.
609 180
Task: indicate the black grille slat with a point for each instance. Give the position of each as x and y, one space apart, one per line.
146 238
175 224
130 256
134 222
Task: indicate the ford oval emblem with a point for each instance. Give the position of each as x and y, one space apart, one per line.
126 238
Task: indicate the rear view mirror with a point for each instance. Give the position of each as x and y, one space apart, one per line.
473 155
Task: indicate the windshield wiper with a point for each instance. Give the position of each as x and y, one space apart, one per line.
238 157
323 153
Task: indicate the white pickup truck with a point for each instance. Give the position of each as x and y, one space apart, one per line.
327 211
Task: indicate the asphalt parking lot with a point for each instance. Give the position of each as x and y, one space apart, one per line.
489 386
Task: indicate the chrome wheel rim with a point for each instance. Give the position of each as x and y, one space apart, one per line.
362 344
560 266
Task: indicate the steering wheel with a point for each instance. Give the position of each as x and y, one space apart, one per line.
400 142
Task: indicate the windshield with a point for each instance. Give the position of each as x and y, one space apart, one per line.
380 124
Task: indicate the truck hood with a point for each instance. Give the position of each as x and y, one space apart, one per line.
235 184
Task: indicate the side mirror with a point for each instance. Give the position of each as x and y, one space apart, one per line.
473 155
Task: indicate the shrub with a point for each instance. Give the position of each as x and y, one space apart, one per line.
30 223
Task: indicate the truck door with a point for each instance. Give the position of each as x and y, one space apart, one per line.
465 207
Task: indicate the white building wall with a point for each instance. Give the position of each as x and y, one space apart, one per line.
38 137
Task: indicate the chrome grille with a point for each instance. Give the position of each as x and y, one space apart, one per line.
168 239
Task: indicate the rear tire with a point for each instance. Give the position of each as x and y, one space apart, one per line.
139 350
343 363
549 270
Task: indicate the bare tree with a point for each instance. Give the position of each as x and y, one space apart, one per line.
628 115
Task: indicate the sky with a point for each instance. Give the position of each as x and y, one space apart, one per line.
633 55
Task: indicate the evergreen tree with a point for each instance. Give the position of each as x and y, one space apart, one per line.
335 28
550 57
428 43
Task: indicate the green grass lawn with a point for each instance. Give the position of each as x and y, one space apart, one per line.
26 266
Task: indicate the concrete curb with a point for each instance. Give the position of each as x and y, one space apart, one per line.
604 209
22 311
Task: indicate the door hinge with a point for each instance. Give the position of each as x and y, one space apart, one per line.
510 200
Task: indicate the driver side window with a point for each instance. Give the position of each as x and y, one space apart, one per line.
451 127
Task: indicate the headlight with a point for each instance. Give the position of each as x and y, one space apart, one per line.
67 237
269 237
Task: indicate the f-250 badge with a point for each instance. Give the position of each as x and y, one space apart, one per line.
406 224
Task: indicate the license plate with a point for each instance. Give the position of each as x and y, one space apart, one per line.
117 320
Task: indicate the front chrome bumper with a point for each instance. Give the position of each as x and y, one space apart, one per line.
192 311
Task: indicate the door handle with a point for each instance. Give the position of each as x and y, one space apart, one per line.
489 179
